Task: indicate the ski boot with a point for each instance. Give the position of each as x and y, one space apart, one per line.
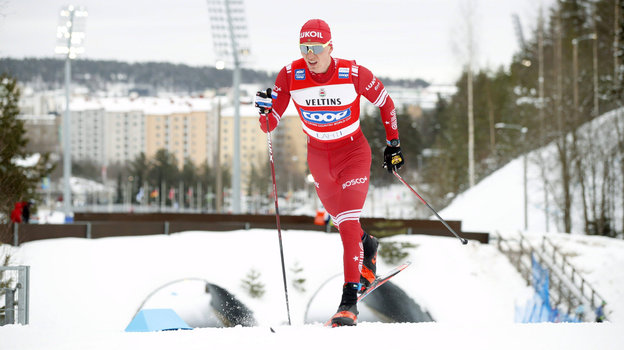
347 310
369 265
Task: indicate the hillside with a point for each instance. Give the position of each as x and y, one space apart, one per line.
48 73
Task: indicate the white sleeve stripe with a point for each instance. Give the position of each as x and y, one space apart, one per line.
277 116
381 99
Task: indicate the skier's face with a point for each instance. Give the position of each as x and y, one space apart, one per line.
318 63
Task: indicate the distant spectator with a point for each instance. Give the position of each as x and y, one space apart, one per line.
16 214
26 211
600 316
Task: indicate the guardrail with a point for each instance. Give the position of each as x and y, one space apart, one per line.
22 288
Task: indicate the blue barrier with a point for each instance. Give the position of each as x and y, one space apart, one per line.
538 308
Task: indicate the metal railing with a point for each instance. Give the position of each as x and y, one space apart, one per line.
566 288
568 270
22 289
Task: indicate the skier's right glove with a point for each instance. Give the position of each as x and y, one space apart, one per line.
393 158
264 103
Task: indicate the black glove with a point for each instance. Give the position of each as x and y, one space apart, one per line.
393 158
264 101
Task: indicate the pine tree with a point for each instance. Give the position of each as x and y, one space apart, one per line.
17 183
298 281
252 284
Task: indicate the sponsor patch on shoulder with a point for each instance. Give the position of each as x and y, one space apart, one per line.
343 72
299 74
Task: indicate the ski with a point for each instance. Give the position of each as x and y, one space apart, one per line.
383 279
378 282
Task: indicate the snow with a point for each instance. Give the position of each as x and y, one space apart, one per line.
29 161
499 195
85 292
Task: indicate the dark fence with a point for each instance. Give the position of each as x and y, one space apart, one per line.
98 225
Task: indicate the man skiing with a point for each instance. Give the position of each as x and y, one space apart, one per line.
326 92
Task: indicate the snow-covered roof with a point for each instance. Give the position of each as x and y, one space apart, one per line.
147 105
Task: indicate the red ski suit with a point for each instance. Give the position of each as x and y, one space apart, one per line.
339 156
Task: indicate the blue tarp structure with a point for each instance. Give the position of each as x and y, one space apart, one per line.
538 309
151 320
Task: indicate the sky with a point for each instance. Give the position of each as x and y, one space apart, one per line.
394 38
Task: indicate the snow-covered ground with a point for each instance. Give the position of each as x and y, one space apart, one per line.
85 292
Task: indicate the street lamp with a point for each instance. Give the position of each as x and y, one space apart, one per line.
523 130
230 39
70 34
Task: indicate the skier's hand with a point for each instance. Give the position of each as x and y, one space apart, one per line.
272 121
264 102
393 158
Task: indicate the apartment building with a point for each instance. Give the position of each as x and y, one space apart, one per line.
125 131
289 142
117 130
42 132
87 131
183 127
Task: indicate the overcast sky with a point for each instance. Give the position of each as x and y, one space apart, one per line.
394 38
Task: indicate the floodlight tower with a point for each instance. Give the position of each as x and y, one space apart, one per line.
70 34
231 44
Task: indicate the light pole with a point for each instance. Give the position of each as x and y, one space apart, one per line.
229 35
70 35
523 130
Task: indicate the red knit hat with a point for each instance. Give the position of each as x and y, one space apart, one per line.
315 30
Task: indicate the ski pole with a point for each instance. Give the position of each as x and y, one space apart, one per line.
463 240
277 218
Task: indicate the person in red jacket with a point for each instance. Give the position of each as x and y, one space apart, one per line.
16 214
326 92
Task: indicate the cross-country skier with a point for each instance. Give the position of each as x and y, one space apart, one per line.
326 92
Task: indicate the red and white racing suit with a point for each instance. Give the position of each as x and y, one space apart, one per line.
339 156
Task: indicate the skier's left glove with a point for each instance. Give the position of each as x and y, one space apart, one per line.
393 158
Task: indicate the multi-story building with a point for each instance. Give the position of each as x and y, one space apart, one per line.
125 130
117 130
87 131
182 127
42 132
289 142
